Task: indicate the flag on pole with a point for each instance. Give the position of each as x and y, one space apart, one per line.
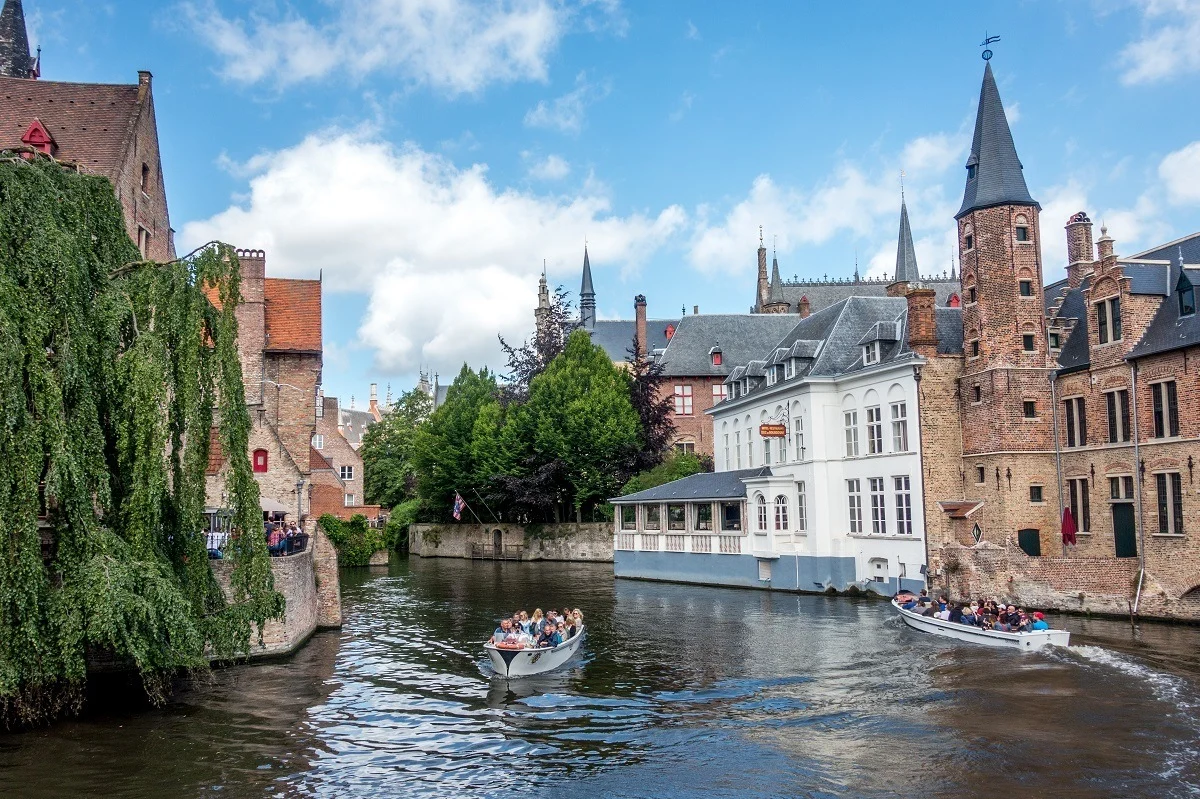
459 505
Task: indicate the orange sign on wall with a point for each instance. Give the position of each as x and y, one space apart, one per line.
772 430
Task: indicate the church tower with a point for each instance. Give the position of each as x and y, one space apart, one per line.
15 61
775 300
543 307
906 257
587 295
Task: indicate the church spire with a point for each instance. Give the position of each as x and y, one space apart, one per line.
776 294
906 255
587 294
15 61
994 175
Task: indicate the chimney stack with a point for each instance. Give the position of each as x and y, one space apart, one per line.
922 322
695 310
804 307
373 407
639 314
1105 245
1079 248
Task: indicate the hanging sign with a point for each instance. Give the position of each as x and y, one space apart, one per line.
976 533
772 430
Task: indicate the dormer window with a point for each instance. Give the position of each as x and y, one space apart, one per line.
791 367
771 376
715 354
1187 296
971 171
871 353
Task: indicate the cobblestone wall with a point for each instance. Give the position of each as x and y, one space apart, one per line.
572 542
296 580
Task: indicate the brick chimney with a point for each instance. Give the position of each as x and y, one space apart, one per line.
804 308
252 322
1079 248
1104 246
639 314
373 407
922 323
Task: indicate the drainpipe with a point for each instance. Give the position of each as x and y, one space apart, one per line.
1137 485
1057 452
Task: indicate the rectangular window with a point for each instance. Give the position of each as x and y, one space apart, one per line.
851 418
737 447
676 517
731 516
720 393
1035 494
1054 344
1120 487
980 475
801 509
766 452
871 353
1027 342
903 505
1108 320
771 376
854 492
350 501
972 296
346 472
798 437
1117 403
791 367
716 359
1166 409
975 349
1170 503
704 519
1076 422
1081 503
970 239
977 394
1026 285
750 449
781 513
685 447
899 427
874 430
728 465
1030 409
1023 235
629 517
318 441
683 400
878 506
653 516
143 242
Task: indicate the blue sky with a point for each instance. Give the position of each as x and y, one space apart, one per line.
425 156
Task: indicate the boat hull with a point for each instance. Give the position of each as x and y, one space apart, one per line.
961 632
527 662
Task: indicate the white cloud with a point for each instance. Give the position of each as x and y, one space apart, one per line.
1167 45
566 114
1133 227
552 167
457 46
691 31
448 259
685 104
1180 171
1013 113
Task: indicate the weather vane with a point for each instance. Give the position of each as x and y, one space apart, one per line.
987 53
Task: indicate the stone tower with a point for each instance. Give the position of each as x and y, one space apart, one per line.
587 295
15 61
763 294
543 307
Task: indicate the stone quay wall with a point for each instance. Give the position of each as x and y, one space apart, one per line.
586 542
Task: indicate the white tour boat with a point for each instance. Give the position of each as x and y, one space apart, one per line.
1034 639
526 662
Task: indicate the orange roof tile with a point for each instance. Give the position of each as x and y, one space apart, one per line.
293 315
216 459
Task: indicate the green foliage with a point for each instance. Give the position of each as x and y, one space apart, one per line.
112 372
389 477
354 540
675 467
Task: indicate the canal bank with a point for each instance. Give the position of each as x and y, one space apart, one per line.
681 691
587 542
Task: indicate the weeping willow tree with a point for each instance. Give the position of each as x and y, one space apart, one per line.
113 371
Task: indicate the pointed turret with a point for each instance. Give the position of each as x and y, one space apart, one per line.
906 255
776 303
15 61
587 295
994 175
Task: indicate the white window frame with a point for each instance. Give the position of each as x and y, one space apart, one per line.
851 420
900 426
683 400
875 430
878 493
346 472
903 486
854 500
801 510
760 505
781 513
350 500
737 446
720 392
798 436
871 353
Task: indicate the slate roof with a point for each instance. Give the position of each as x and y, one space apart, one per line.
697 487
1167 330
775 292
906 254
91 123
353 423
293 315
824 293
15 61
998 179
616 335
948 322
739 336
1190 245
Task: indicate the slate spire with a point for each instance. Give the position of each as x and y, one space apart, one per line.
776 294
994 175
15 61
587 295
906 255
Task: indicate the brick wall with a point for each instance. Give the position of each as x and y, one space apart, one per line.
696 427
290 401
295 578
338 450
590 542
148 208
251 321
328 583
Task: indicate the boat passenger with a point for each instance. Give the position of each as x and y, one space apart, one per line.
501 632
967 614
1039 621
550 636
525 622
536 622
955 614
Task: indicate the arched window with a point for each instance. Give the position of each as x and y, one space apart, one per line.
259 461
954 301
761 502
781 512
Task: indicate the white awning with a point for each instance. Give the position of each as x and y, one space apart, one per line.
271 506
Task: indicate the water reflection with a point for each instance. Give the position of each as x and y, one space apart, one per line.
679 691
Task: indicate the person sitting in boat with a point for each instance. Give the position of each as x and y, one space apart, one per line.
966 614
1039 621
536 622
525 622
501 632
550 636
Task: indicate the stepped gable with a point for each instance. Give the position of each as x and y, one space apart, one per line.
293 315
91 123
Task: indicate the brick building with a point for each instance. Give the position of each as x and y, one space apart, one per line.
1075 396
100 129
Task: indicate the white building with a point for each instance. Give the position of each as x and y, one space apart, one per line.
831 497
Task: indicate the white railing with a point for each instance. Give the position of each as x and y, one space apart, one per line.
625 541
649 542
731 545
674 543
702 543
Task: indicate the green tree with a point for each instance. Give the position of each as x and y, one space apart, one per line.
579 412
445 448
675 466
389 476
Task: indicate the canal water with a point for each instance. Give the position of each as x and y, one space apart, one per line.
682 691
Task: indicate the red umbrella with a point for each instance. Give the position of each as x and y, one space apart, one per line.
1068 527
